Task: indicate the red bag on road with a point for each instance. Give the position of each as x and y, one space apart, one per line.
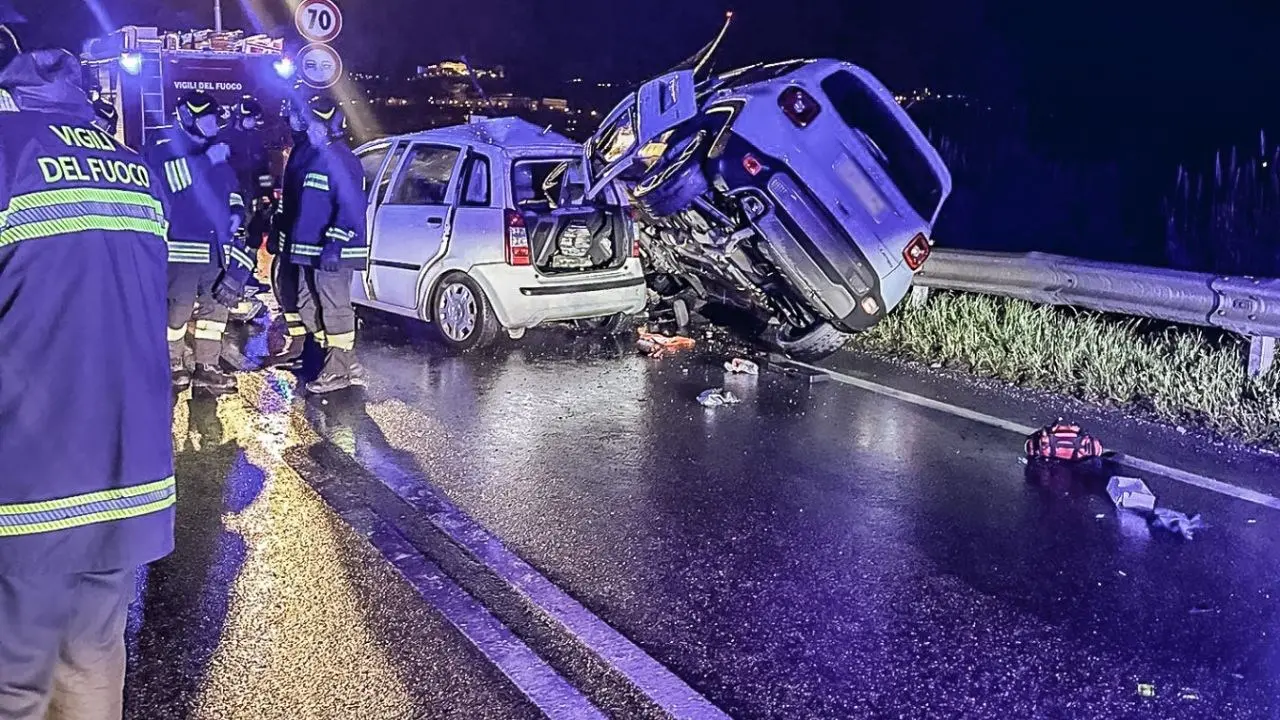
1063 441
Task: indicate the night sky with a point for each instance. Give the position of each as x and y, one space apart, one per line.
1123 61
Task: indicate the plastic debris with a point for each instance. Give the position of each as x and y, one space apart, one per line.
1131 494
742 367
1189 695
717 397
1177 522
658 346
1146 690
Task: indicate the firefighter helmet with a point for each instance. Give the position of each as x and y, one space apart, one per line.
8 14
9 46
328 114
248 107
194 105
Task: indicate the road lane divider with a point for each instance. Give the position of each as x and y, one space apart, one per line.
1129 461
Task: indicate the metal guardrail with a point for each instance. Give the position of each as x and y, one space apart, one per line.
1243 305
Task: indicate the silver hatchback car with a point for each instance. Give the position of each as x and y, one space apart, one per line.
798 192
484 228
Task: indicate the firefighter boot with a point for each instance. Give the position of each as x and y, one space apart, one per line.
180 377
211 378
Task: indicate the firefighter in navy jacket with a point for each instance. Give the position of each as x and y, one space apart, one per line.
86 451
327 240
286 278
207 263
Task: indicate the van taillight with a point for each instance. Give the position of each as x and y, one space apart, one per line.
799 106
517 241
916 252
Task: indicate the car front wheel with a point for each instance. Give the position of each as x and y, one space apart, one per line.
461 314
818 342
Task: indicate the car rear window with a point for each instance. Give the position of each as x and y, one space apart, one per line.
904 161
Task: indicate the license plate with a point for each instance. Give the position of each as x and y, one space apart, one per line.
857 181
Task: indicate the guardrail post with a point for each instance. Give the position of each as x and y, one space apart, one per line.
1262 354
919 296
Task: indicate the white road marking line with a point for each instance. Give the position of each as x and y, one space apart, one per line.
1129 461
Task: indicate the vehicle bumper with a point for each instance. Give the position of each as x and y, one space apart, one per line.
823 262
522 298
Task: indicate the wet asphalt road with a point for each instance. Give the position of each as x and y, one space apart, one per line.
815 552
272 607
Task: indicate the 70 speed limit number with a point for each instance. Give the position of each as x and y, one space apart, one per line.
319 21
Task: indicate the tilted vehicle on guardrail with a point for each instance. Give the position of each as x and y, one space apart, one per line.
799 192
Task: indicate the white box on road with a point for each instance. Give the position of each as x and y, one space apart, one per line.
1131 494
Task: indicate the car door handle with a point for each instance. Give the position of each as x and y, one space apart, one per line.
435 221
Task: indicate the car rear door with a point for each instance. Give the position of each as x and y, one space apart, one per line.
411 225
660 105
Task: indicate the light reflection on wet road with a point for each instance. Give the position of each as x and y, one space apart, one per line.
815 552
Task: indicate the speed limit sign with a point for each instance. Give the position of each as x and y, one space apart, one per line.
319 21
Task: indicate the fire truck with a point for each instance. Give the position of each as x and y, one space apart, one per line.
141 71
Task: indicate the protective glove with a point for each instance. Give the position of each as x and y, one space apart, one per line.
227 291
219 153
331 258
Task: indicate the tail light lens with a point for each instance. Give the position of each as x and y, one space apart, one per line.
517 241
751 165
799 106
916 252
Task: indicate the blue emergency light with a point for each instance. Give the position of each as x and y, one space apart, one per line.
131 63
285 67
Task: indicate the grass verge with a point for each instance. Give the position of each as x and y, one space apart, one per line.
1178 374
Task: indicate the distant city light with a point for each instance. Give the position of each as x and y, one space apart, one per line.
285 67
131 63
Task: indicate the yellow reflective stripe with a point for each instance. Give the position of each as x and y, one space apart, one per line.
293 317
321 340
342 341
177 334
85 223
45 198
295 331
209 330
88 499
316 181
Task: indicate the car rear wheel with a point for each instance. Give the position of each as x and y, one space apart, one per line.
810 344
677 180
461 314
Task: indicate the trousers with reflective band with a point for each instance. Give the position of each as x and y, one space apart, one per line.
89 509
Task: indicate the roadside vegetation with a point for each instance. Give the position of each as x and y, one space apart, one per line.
1179 375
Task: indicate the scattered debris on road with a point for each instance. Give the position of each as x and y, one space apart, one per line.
740 366
1189 695
1146 690
1204 608
717 397
1131 494
1062 441
1177 522
659 346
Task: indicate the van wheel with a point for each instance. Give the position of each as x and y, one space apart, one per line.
461 315
810 344
673 184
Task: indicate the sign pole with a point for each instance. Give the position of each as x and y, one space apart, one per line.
217 15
